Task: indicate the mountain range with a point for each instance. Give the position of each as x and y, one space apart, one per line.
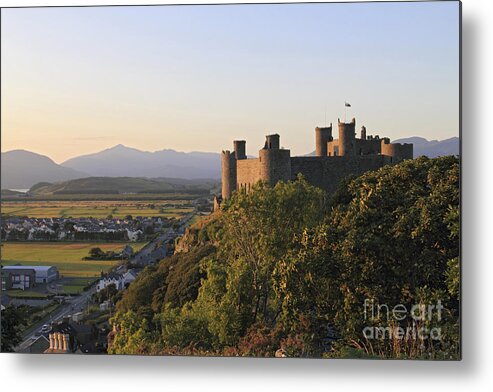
22 169
125 161
432 148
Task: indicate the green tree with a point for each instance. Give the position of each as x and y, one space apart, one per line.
97 253
389 239
134 335
13 319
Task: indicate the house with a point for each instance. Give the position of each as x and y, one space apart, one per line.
134 236
38 346
105 305
129 277
77 317
17 278
61 339
42 274
127 252
66 337
111 278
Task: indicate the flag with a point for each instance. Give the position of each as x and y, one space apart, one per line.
347 104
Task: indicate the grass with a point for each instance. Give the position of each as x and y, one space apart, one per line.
110 197
72 290
75 286
66 256
96 209
26 294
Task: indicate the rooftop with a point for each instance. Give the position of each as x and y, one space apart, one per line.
34 267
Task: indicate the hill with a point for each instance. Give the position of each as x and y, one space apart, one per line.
122 185
21 169
125 161
432 148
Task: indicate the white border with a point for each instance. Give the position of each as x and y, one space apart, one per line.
83 373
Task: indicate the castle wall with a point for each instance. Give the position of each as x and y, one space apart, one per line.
367 147
248 173
396 151
327 173
333 148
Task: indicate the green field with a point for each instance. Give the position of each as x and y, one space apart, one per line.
66 256
25 294
96 209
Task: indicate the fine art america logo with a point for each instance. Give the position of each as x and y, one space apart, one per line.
418 320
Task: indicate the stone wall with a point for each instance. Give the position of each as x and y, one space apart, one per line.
328 172
248 173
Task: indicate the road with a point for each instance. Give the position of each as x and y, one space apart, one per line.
156 249
73 305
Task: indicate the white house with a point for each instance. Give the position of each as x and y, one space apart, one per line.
134 236
111 278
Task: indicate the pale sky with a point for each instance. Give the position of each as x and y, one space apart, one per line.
193 78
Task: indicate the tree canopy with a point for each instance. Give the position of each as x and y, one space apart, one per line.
287 268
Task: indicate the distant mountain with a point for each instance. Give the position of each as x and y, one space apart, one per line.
432 148
131 162
122 185
21 169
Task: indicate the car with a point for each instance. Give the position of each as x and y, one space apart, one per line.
45 328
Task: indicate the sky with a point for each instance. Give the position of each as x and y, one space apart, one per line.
194 78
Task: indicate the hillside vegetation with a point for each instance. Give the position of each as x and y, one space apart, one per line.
286 271
122 185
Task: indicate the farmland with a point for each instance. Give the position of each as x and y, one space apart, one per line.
66 256
96 209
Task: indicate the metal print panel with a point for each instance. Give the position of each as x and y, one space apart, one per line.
262 180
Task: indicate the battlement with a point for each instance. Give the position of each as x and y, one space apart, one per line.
240 149
272 142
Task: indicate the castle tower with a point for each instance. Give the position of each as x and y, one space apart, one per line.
228 173
363 133
275 163
272 142
240 149
347 137
322 137
396 151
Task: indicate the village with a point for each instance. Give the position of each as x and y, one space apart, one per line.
65 323
130 228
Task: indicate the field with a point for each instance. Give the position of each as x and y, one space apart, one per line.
25 294
96 209
66 256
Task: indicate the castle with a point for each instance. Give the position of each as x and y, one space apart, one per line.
334 160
